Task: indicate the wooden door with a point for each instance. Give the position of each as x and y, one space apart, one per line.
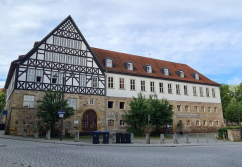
89 121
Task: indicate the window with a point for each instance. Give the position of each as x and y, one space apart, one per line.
197 122
178 107
109 63
201 91
91 101
216 123
215 109
82 61
28 101
61 77
185 90
132 84
48 56
166 71
82 80
196 108
122 123
62 58
207 92
142 83
54 77
149 69
161 86
30 76
152 86
188 122
196 76
94 82
121 105
55 57
204 123
182 74
71 103
110 104
202 109
57 40
187 108
169 88
178 92
69 59
210 123
129 66
39 74
110 82
121 83
194 91
213 92
110 122
209 109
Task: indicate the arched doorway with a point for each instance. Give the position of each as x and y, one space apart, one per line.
89 121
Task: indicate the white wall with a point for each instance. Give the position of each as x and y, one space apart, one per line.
116 92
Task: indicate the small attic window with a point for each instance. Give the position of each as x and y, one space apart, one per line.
196 76
149 69
166 71
109 63
130 66
182 74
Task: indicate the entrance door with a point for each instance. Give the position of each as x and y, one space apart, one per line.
89 121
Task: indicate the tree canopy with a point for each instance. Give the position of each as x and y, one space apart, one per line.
2 100
50 105
225 96
231 113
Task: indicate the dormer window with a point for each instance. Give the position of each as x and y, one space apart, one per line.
182 74
196 76
148 68
166 71
109 63
130 66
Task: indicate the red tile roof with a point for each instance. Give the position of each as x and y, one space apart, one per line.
119 59
1 89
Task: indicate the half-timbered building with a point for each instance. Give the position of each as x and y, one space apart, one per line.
99 85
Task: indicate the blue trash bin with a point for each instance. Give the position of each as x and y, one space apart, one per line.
95 139
105 137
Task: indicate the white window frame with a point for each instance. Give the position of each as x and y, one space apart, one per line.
161 87
95 82
28 101
169 86
213 93
207 92
39 73
91 101
194 88
48 56
111 82
122 123
178 90
166 71
142 85
31 75
55 57
196 76
121 83
72 103
185 90
132 84
149 69
109 63
152 86
201 91
130 66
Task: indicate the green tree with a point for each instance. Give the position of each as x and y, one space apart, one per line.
225 97
231 113
2 100
50 104
160 111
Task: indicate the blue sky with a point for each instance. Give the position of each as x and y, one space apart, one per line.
203 34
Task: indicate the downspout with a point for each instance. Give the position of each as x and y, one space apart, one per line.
105 105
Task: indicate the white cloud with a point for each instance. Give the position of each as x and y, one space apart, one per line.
235 80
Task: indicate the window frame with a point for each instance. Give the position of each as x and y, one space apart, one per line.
132 84
111 82
122 83
28 101
70 102
169 86
152 86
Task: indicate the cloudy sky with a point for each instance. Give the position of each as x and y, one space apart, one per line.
204 34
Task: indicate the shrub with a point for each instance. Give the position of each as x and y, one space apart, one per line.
135 131
224 130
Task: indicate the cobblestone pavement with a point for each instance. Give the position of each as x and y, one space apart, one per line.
15 153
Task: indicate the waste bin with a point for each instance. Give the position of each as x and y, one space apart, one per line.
105 137
95 139
123 138
128 137
118 137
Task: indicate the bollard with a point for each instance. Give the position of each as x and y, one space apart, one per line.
175 139
162 138
215 138
223 137
232 137
132 137
76 137
25 133
36 135
197 139
114 138
47 135
147 138
207 138
187 139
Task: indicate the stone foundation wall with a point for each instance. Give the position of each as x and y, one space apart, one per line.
235 133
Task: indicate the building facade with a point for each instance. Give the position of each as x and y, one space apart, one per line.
99 85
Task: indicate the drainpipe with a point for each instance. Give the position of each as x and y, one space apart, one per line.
105 105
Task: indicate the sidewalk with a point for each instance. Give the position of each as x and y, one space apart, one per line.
203 140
